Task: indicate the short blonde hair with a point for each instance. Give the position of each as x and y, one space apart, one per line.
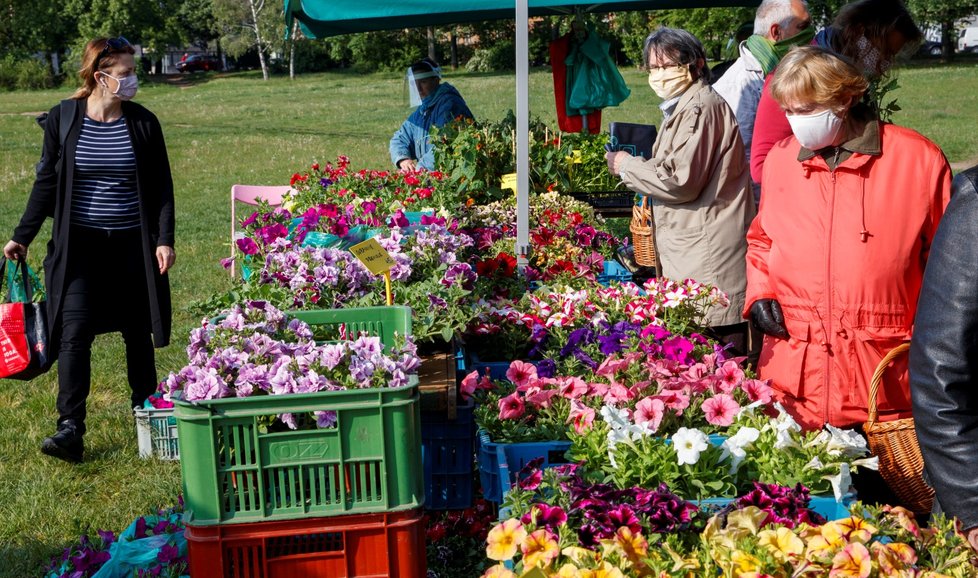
813 74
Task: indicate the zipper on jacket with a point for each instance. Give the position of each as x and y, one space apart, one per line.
826 344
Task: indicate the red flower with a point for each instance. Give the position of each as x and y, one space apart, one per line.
297 178
315 166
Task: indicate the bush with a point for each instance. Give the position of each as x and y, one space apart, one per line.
499 56
25 74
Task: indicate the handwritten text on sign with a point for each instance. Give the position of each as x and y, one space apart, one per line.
373 256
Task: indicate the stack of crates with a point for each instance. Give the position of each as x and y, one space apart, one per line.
267 502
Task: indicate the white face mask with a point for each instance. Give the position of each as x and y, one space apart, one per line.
816 131
128 85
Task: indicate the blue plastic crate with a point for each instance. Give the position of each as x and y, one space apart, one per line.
826 506
497 369
447 451
499 464
614 272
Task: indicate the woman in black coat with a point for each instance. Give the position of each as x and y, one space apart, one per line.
106 183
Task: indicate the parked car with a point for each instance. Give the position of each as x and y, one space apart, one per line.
198 62
968 41
928 48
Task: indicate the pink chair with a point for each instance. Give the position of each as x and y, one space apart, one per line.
252 195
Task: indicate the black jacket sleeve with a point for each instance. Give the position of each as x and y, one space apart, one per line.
944 357
41 203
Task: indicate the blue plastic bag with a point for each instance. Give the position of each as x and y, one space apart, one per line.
131 554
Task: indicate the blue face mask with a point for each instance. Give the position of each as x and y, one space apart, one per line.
128 85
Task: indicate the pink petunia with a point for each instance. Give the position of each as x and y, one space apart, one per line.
470 383
649 412
674 400
758 390
581 415
521 372
721 409
541 398
573 387
730 375
511 407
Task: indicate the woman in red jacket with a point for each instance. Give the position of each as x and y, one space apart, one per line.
836 254
870 32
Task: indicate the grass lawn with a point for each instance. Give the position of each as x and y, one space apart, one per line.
229 129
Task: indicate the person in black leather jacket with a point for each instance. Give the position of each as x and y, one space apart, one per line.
944 359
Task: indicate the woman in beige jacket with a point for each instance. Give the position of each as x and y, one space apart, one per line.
697 179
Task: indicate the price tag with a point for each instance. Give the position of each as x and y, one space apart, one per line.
575 157
374 257
508 181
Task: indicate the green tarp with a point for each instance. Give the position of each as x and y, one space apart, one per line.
323 18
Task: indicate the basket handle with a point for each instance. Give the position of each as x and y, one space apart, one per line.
874 383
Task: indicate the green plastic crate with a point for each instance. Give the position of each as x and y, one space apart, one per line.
233 471
383 322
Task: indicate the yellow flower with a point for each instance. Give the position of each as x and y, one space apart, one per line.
606 570
504 540
579 555
498 571
826 543
782 543
856 529
539 549
634 546
893 558
853 561
568 571
744 562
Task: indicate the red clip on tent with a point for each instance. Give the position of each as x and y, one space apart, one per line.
323 18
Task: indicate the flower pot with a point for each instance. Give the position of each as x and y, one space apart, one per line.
500 464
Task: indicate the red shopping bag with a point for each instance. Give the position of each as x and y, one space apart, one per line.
23 333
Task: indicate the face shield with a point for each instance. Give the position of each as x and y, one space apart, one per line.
414 95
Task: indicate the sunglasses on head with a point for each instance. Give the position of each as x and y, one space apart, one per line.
112 45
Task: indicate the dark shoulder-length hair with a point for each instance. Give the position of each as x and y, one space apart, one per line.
679 46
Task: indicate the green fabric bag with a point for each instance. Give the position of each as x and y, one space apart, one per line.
593 80
16 284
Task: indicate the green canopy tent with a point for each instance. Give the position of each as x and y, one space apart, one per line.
324 18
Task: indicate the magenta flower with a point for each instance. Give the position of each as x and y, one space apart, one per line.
511 407
247 245
730 375
720 410
545 516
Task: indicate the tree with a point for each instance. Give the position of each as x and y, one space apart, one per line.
713 26
943 13
249 24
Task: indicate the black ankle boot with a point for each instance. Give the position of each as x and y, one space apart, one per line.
66 444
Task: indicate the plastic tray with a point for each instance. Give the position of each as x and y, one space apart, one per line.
499 464
614 272
383 322
236 470
370 545
827 506
447 453
156 433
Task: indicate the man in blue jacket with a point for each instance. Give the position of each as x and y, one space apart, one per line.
411 147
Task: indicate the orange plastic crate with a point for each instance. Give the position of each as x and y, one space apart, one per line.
360 546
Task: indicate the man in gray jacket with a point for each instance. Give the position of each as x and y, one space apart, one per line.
778 25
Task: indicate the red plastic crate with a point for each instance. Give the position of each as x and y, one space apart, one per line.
360 546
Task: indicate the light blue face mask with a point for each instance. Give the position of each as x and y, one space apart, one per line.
128 85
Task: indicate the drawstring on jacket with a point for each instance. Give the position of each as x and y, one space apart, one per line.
864 235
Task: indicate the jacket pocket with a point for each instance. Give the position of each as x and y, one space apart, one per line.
685 254
783 361
865 352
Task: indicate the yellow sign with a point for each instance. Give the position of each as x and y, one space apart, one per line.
575 157
374 257
508 182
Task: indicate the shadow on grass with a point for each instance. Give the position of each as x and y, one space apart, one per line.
26 557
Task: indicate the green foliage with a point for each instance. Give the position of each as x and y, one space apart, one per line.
879 94
713 26
501 56
24 73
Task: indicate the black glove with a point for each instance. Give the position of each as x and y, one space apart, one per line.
766 315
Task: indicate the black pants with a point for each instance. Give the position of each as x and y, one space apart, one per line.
105 291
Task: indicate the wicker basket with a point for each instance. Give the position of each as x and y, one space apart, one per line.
643 233
895 443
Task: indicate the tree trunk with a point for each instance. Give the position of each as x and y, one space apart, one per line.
256 8
454 49
948 39
295 30
431 43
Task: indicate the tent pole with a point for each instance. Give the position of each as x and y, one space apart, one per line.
522 131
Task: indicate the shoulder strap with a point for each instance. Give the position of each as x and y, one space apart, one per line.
68 109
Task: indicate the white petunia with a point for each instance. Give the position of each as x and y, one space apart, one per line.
814 464
845 442
784 421
688 444
871 463
785 439
734 446
841 482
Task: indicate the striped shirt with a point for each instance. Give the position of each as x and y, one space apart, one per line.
104 194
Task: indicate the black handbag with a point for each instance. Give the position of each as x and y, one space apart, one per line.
24 351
